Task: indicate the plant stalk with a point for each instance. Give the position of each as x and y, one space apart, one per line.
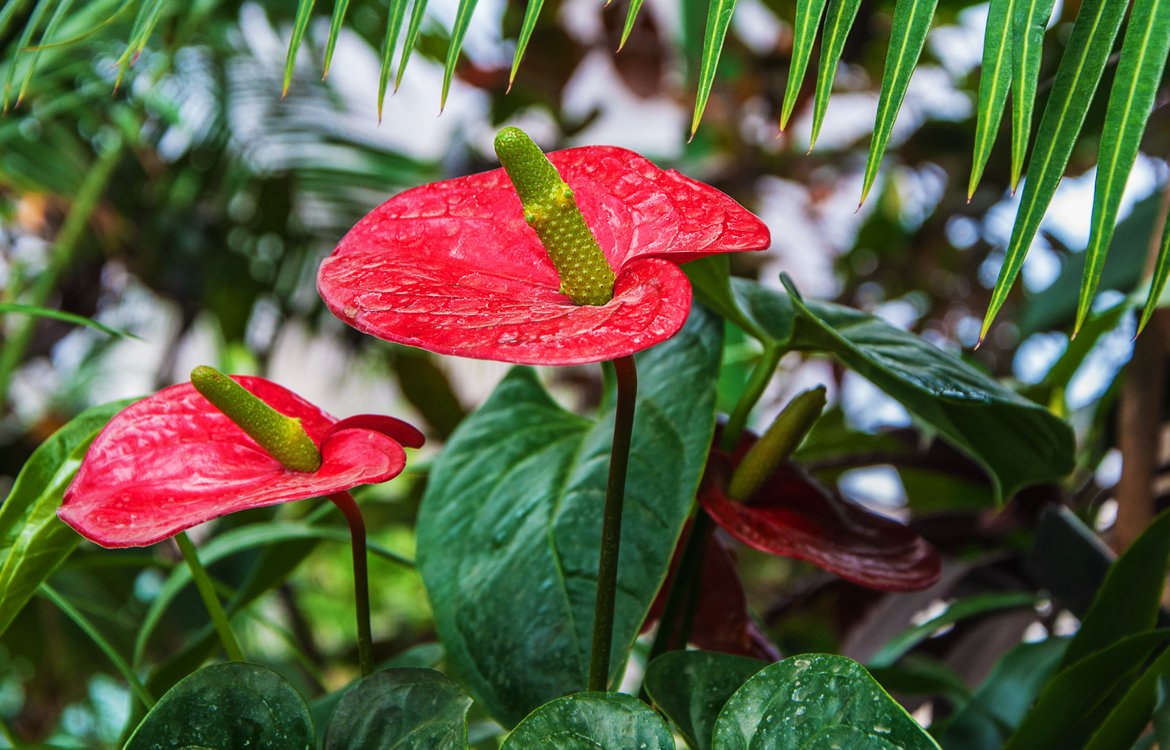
757 382
611 530
207 592
361 579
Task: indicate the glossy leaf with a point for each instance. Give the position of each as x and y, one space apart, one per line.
404 709
48 312
718 17
1143 58
1076 81
1076 690
808 18
224 707
418 11
1133 713
838 20
1016 441
514 505
300 23
455 46
32 541
339 8
393 28
816 701
691 687
453 268
592 721
1158 283
907 35
765 314
995 77
172 461
531 13
1029 19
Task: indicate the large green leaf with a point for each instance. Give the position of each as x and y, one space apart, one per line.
401 709
907 35
1029 19
816 701
226 707
33 542
995 79
1017 442
1076 81
1143 58
838 20
718 17
1133 713
510 526
1076 691
763 313
691 688
592 721
808 17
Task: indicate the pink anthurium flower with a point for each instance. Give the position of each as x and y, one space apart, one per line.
173 460
793 515
453 267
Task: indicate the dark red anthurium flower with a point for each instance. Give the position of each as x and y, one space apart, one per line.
453 267
173 460
792 514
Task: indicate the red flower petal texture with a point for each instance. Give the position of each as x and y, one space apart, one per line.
795 516
173 460
453 268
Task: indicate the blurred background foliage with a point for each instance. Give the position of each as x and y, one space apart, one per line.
181 201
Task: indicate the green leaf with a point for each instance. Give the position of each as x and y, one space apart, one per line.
531 13
339 8
1002 701
393 28
995 78
34 21
416 18
1077 690
1143 58
1133 713
1018 442
631 16
33 542
592 721
1076 81
510 526
224 707
458 32
838 20
300 23
765 314
1029 19
808 17
907 35
48 312
50 29
816 701
1129 598
959 610
691 687
401 708
718 17
1161 273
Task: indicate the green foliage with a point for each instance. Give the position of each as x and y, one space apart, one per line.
592 721
691 688
401 708
514 505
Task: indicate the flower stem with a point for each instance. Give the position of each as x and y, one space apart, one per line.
207 592
756 384
361 579
611 530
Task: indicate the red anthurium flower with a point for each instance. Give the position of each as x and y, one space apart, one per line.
452 267
794 515
173 460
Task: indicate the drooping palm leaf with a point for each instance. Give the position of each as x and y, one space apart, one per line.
416 19
838 20
1143 58
531 13
34 22
1076 81
631 16
458 32
393 28
50 28
300 23
1161 274
339 8
995 77
908 34
1028 22
808 17
718 17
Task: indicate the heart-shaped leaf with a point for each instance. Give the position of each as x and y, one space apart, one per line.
510 526
225 707
592 721
816 701
401 709
691 688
